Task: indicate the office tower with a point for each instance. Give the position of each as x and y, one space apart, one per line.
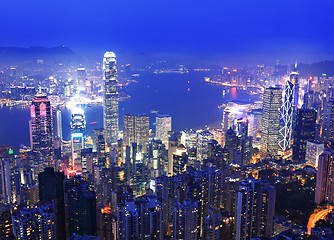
87 161
110 98
35 223
81 79
6 183
255 209
246 150
244 141
313 151
270 122
129 135
136 129
324 189
99 146
57 125
142 129
242 127
231 145
6 228
328 120
163 125
51 188
288 108
311 100
80 207
172 146
304 131
180 159
189 138
212 225
185 224
204 138
78 130
228 118
254 119
41 131
294 78
218 135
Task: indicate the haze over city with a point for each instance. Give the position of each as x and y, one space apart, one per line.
159 120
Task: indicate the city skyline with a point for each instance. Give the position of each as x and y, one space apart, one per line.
167 120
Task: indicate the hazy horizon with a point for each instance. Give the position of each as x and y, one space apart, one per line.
228 32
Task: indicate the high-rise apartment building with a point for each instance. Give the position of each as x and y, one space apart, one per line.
212 225
328 120
51 188
304 131
163 125
35 223
41 131
110 99
185 217
140 218
324 190
270 122
255 209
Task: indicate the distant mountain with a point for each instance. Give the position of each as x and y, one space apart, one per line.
17 55
316 69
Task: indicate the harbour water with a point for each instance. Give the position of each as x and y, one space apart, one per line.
190 101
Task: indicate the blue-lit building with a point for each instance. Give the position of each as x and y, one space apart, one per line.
78 129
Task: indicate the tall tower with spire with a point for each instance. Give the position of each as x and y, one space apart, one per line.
288 109
41 131
110 98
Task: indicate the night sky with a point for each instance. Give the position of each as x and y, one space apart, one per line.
213 30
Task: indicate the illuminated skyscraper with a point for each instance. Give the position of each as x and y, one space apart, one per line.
128 129
255 209
163 124
136 130
204 138
288 111
313 151
304 131
142 128
57 126
78 129
270 122
41 131
328 120
110 98
81 79
324 189
80 202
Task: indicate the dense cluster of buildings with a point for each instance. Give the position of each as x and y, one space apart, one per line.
162 184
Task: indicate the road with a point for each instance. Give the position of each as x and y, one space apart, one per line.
316 217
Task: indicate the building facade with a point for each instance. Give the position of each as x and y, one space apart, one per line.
110 98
